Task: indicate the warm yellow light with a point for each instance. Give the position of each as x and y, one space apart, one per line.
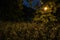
45 8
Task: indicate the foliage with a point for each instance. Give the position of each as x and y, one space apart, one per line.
29 31
46 15
43 27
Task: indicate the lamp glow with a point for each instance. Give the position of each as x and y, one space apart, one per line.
45 8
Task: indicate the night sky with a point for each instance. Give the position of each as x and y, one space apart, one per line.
34 3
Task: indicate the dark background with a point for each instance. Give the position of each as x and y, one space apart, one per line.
9 11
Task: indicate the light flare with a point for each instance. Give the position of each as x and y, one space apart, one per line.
45 8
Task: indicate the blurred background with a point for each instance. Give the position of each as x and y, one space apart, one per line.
20 10
29 19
